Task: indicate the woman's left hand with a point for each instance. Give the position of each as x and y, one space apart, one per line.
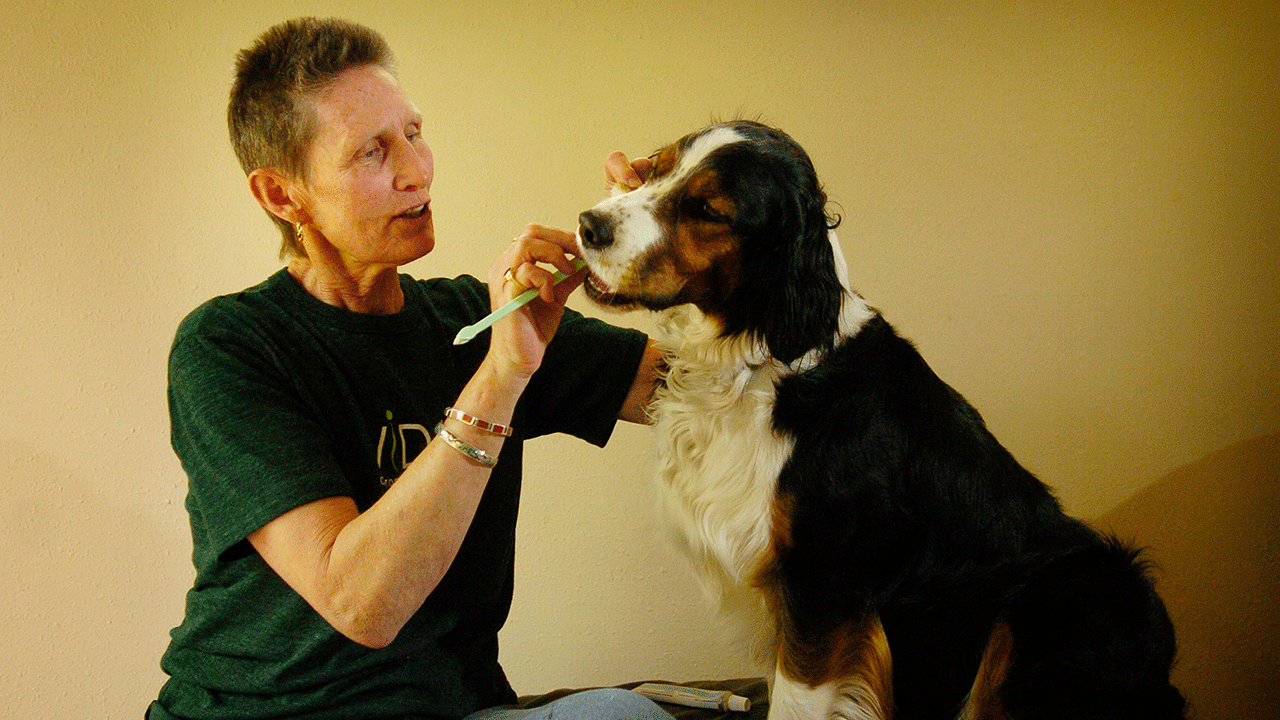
520 339
624 174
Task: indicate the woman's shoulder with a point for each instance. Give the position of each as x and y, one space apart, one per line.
235 312
463 296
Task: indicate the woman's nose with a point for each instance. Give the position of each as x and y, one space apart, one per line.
415 167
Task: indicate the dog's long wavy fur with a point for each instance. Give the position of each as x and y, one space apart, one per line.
823 476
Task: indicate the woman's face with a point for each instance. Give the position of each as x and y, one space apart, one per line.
368 178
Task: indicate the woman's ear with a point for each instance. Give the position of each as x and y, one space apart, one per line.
277 194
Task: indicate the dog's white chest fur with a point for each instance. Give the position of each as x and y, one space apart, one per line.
718 457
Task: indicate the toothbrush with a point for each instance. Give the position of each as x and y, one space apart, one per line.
468 333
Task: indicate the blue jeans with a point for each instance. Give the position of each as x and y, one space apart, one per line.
603 704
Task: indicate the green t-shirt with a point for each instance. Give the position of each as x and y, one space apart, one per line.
276 400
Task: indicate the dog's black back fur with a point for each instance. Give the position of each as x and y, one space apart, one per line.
906 507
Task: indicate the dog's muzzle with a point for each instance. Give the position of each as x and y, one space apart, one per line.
595 230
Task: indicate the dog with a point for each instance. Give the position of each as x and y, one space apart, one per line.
906 565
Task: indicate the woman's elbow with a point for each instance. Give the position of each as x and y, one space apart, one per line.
372 640
372 624
366 630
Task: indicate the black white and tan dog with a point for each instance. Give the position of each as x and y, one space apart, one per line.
905 564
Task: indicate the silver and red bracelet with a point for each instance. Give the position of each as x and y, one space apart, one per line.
473 421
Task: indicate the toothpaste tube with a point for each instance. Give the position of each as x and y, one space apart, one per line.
694 697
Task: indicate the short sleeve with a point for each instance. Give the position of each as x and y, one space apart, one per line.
251 449
585 377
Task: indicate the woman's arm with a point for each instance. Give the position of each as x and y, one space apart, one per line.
636 407
368 573
619 171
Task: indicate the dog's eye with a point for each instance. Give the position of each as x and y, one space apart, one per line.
701 209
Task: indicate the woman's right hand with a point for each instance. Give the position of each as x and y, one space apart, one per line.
520 339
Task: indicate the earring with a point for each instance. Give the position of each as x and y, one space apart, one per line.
297 231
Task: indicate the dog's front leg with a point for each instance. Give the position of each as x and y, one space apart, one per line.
861 690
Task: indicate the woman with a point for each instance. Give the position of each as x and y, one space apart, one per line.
353 525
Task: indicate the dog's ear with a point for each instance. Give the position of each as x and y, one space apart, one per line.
789 293
806 301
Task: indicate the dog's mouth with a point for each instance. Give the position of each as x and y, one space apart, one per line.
602 294
599 291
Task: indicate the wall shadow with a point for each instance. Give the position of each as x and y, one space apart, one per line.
1213 531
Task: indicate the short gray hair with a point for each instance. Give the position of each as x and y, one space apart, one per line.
270 122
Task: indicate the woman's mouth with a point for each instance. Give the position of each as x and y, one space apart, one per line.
414 213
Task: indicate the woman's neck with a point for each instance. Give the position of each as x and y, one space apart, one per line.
372 290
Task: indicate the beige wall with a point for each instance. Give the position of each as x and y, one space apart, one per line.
1073 209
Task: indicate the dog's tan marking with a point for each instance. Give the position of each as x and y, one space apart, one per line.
705 186
847 674
848 671
984 701
665 161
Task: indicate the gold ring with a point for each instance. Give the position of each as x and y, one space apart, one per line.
510 277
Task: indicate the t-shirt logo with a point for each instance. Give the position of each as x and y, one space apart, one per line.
398 445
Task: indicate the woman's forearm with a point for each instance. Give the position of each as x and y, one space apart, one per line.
368 573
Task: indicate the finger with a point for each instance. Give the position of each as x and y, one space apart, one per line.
542 279
505 281
566 287
553 284
534 231
538 244
643 168
516 286
618 171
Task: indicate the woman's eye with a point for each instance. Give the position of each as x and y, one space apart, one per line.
372 151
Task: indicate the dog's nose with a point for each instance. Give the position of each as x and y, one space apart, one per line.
595 230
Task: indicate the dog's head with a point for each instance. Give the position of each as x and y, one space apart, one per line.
732 219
